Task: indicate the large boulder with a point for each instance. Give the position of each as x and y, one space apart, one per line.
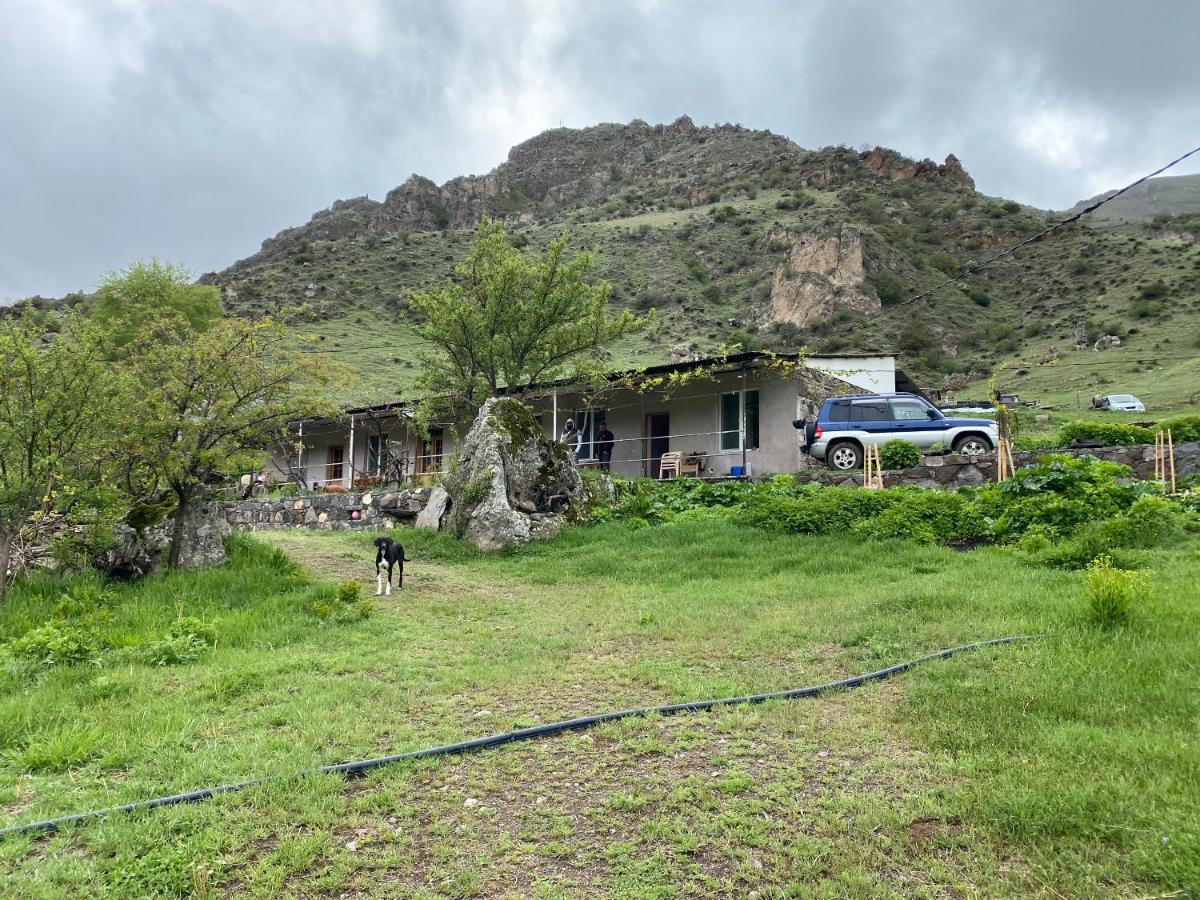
434 513
139 551
511 483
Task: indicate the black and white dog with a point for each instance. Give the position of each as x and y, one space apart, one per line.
388 555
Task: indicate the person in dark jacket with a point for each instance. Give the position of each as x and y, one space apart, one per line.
604 446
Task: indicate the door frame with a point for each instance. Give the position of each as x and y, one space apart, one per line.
650 460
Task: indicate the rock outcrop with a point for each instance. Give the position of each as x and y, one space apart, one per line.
434 513
821 271
511 483
899 168
137 553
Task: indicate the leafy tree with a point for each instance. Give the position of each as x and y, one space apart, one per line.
57 408
508 319
210 403
126 301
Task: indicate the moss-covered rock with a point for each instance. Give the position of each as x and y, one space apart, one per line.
511 483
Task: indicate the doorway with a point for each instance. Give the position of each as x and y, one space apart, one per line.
657 429
334 462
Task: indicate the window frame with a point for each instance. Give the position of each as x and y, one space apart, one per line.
593 416
377 455
742 432
895 402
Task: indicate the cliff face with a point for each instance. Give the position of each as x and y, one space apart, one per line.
821 271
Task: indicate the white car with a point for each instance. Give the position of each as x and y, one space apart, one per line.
1125 402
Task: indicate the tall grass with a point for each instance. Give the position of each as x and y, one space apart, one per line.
1077 751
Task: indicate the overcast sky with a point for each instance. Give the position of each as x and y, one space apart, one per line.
192 130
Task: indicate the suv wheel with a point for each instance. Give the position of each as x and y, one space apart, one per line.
844 456
972 445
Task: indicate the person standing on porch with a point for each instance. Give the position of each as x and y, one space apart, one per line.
571 437
604 446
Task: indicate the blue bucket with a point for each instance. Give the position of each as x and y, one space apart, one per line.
737 471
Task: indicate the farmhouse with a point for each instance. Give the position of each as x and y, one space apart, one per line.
729 415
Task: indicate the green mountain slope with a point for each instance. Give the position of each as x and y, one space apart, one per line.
738 235
1177 195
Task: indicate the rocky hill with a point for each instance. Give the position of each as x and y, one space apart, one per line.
734 235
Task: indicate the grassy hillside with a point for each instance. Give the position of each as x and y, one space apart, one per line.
695 224
1170 195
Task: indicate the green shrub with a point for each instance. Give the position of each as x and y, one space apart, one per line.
345 606
1182 428
899 454
186 640
1060 493
1112 594
888 287
796 200
813 510
173 651
980 297
56 644
1105 433
926 517
191 627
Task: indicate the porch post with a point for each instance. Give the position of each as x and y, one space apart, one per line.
554 427
300 454
742 423
350 460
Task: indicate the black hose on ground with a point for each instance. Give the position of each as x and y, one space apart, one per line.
523 734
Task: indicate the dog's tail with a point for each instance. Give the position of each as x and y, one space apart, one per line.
407 558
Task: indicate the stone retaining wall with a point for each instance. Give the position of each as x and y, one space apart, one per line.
328 512
951 471
383 509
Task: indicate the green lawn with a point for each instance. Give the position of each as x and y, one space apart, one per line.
1064 767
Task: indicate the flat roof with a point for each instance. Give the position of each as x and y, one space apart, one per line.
731 361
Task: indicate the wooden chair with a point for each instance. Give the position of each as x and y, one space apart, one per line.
669 463
691 465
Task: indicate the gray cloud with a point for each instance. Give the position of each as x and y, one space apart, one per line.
136 128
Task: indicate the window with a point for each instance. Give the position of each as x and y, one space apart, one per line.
840 412
738 412
430 458
588 422
870 411
910 411
377 454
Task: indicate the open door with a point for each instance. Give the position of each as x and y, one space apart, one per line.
657 429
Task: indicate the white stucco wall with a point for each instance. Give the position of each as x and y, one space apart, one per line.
694 413
874 374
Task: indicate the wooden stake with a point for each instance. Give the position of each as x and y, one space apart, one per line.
1158 457
872 468
1171 458
1164 460
1004 460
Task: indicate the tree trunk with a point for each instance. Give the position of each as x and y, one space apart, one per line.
5 553
177 531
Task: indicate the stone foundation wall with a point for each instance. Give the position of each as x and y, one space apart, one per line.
328 512
951 471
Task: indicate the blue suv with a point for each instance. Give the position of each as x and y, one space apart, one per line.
847 424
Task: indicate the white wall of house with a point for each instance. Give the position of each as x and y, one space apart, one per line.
874 374
356 454
694 418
